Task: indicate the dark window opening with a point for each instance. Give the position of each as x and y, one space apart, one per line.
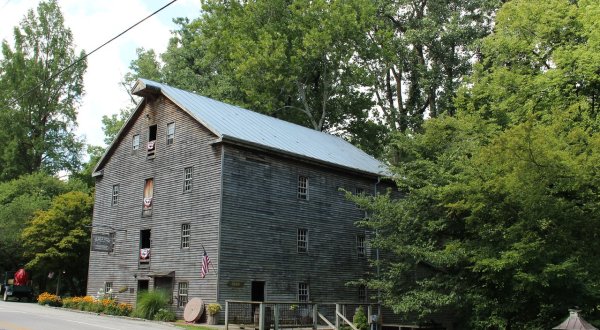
151 141
145 246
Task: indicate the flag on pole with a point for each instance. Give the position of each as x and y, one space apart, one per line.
205 262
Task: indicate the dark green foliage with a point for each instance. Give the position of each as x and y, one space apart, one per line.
500 216
149 303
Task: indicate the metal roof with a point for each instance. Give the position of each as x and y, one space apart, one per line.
233 123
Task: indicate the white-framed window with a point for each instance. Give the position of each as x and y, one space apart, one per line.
362 293
108 287
188 175
185 235
182 294
358 191
135 143
303 187
170 133
303 293
361 245
302 240
115 195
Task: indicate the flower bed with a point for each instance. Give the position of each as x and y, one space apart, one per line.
87 303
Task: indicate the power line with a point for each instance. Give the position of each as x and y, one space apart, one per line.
93 51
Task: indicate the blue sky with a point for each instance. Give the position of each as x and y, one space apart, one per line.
94 22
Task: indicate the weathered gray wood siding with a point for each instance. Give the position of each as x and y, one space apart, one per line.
171 206
260 217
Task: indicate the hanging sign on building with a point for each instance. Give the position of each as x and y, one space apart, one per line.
101 243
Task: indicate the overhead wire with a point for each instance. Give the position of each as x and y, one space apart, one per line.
93 51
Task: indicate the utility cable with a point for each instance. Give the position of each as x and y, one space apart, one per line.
93 51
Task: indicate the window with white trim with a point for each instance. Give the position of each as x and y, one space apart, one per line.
108 287
115 195
359 191
303 187
186 229
170 133
302 240
188 175
182 294
303 294
135 142
360 245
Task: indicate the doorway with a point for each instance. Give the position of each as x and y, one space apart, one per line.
258 291
143 285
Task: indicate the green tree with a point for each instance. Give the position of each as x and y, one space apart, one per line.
58 239
19 200
38 102
418 53
499 217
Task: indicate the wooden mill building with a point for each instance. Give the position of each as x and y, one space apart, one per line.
188 174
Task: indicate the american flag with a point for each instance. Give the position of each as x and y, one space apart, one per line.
205 262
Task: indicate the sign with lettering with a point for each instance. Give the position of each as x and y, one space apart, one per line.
102 243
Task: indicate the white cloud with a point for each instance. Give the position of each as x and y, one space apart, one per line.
95 22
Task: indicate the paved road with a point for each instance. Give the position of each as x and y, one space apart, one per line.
25 316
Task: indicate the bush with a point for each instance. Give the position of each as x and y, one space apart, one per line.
360 319
149 303
213 308
165 315
49 299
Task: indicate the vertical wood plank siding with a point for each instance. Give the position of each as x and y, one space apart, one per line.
171 206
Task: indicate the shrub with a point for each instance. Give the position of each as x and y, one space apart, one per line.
149 303
165 315
49 299
213 308
360 319
106 306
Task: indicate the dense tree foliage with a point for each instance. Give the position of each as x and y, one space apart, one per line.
19 200
499 221
58 239
38 99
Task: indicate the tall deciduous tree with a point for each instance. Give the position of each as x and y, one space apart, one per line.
38 102
500 218
419 52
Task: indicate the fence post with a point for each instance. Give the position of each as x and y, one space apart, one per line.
315 315
276 315
261 316
337 317
226 315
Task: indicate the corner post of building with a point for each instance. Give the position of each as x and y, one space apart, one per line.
261 316
370 313
315 316
276 316
226 314
337 316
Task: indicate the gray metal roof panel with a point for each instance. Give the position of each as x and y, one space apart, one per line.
229 121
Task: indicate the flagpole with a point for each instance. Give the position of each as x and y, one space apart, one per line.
213 266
